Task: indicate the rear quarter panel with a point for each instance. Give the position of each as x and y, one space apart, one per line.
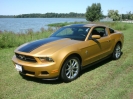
115 38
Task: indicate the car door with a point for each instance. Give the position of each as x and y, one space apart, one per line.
90 52
104 41
95 49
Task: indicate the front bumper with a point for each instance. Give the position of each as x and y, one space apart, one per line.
39 70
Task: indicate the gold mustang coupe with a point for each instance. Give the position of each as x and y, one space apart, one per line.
67 51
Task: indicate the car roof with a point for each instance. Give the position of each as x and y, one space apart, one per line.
83 25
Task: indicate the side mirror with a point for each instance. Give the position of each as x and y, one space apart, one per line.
96 36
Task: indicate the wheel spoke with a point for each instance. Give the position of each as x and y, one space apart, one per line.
72 74
75 64
70 62
69 67
68 73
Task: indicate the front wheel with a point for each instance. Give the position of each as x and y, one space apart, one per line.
70 69
117 52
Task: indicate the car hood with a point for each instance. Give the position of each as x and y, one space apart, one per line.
46 46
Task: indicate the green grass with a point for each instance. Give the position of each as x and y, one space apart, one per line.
106 80
10 39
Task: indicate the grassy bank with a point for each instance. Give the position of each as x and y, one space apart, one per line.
106 80
10 39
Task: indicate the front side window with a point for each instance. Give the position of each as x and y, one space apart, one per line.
77 33
99 31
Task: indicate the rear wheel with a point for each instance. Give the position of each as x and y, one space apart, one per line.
117 52
70 69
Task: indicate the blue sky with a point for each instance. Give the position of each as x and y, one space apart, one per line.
15 7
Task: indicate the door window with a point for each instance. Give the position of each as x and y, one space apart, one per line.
99 31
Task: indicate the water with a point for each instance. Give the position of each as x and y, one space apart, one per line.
22 24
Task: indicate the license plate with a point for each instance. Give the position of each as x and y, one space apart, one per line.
18 67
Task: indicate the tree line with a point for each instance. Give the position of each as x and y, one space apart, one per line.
52 15
6 16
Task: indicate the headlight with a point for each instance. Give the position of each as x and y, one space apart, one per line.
44 59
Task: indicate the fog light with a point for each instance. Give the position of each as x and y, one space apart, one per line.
44 72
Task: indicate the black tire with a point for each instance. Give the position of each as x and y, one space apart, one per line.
117 52
71 69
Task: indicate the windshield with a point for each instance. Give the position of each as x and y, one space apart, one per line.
77 33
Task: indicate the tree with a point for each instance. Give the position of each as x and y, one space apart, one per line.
114 14
127 16
130 15
93 12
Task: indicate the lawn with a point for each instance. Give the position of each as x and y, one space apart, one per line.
109 79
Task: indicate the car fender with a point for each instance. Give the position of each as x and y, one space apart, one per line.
61 56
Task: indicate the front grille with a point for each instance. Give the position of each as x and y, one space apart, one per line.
25 58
